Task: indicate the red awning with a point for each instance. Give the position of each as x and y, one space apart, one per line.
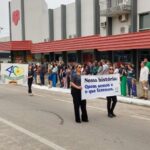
16 46
81 43
138 40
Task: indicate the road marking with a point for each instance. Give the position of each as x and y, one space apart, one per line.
97 108
140 117
32 135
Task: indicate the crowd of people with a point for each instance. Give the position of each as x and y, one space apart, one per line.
59 74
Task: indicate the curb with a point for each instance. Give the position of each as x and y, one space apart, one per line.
128 100
134 101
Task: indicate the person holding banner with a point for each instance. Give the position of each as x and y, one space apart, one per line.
76 94
111 100
30 79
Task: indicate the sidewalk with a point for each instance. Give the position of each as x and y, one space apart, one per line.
135 101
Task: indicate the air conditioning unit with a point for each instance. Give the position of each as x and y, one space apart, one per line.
123 18
103 24
122 30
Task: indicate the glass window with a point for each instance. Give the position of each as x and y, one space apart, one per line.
145 21
87 57
72 57
122 56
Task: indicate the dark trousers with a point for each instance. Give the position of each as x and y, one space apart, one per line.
68 82
78 103
42 79
30 81
111 103
129 83
149 79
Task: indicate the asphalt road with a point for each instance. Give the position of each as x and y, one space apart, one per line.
45 121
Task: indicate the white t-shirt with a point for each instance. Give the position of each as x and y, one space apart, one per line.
144 74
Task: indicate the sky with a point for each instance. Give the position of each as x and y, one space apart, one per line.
4 17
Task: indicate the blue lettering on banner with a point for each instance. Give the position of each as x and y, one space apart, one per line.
105 90
90 80
90 86
92 91
107 79
103 85
86 92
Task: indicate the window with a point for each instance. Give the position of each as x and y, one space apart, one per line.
72 57
145 21
120 1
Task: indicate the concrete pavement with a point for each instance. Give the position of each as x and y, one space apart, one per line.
129 100
45 121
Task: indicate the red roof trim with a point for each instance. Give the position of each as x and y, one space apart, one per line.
138 40
16 46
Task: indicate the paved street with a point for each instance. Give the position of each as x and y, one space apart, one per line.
45 121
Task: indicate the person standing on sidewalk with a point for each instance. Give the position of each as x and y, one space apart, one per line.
130 76
123 77
111 100
144 73
147 64
76 94
30 79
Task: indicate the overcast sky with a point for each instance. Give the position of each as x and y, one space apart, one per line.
4 18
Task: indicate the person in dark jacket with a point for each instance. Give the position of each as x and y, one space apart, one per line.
30 79
76 94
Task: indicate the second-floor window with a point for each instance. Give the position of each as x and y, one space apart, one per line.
122 2
144 21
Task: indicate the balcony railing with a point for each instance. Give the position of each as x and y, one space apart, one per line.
116 10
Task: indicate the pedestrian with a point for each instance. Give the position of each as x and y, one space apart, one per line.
144 73
76 94
111 100
147 64
49 78
130 76
30 79
134 88
123 78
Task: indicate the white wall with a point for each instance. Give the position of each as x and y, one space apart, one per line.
116 25
16 29
36 20
5 39
70 20
87 17
57 24
103 6
143 6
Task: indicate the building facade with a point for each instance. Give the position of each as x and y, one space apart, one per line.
5 56
32 20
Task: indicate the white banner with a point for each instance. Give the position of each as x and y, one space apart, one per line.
100 86
14 73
